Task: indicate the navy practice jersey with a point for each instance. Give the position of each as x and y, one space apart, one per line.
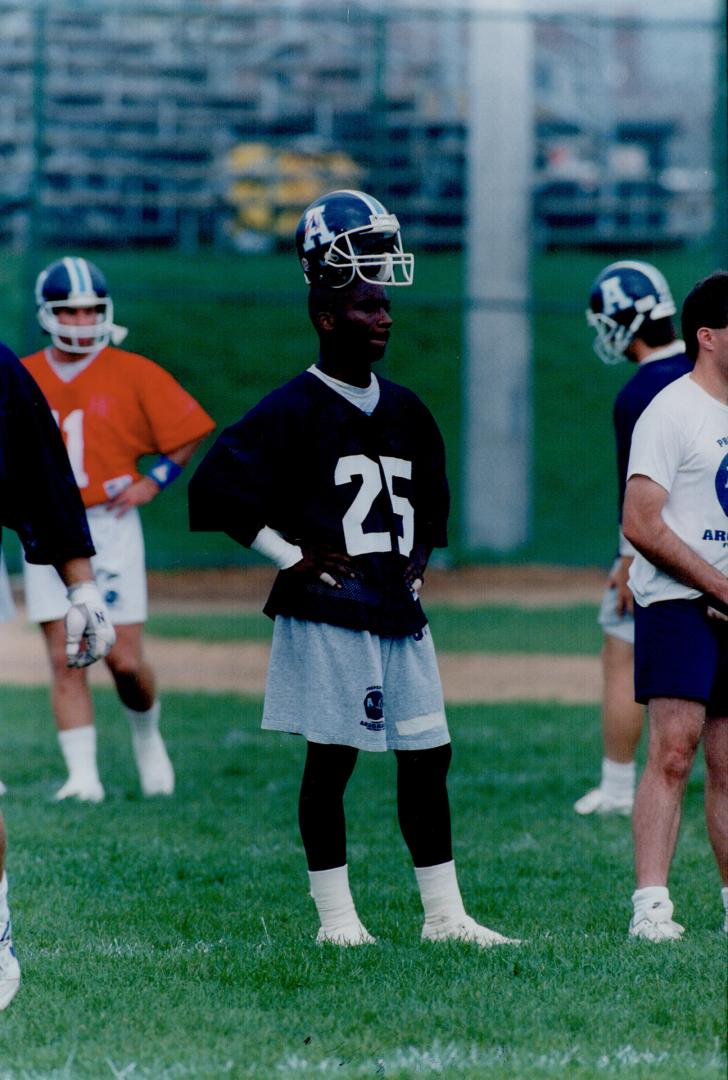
38 494
308 463
632 400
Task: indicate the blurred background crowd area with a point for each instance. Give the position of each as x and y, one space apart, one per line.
176 143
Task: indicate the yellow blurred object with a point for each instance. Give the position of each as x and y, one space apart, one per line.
270 186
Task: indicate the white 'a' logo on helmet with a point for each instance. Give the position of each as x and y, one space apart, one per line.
317 231
614 298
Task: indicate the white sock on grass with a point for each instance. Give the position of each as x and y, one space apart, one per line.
78 746
651 896
4 911
618 778
156 774
332 897
146 723
440 892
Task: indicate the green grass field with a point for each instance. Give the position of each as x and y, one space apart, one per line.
231 328
477 629
174 939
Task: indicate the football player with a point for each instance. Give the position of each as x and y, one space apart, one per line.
630 310
339 478
40 500
112 407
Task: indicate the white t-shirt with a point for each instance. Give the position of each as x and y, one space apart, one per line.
681 442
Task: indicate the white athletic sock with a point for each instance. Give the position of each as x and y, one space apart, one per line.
724 897
649 897
440 892
332 897
618 778
146 723
4 912
78 746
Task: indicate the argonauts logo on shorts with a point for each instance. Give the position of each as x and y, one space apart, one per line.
374 709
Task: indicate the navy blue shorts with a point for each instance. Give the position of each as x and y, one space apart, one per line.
680 653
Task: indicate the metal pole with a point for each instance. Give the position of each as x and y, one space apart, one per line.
33 232
497 405
720 142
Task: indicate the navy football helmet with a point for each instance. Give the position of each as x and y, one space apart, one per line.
349 234
622 297
74 283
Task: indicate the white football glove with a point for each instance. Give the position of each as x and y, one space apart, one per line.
89 633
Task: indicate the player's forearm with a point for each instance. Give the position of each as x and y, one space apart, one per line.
182 454
661 546
75 571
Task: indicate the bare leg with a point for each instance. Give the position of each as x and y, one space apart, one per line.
70 695
675 730
715 748
622 720
135 685
133 676
622 716
74 717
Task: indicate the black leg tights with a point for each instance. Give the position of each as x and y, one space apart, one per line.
423 805
321 804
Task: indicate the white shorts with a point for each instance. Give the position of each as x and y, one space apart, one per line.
7 604
118 567
619 626
353 688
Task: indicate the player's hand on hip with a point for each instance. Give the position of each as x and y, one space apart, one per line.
618 579
414 572
329 566
89 632
139 493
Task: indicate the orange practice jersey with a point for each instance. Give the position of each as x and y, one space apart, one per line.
119 408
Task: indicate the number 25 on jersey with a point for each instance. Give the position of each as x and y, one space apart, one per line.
359 542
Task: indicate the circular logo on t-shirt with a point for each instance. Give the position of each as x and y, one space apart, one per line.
721 484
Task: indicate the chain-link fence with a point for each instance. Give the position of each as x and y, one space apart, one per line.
191 123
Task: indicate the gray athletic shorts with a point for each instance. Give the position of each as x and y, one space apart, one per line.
619 626
353 688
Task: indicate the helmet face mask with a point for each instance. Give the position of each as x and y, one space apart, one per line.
625 295
70 284
348 234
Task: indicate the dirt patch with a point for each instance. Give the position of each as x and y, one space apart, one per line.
184 664
472 586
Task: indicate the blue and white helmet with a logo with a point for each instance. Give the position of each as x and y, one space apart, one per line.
623 296
76 283
348 234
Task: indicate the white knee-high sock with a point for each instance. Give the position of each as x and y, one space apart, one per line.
332 897
78 746
440 892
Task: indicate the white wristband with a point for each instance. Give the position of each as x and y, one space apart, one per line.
84 592
270 543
